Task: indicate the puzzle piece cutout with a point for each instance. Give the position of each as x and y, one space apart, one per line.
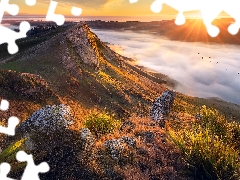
9 36
4 170
12 121
4 105
31 171
209 11
59 18
30 2
51 16
6 7
133 1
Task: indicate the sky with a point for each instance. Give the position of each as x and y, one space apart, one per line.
99 8
208 77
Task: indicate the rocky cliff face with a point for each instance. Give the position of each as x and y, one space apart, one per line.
81 40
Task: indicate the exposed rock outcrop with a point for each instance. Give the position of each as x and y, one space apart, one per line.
87 137
48 123
116 147
162 106
50 138
79 39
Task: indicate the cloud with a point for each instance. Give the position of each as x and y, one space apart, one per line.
83 3
111 4
208 77
90 3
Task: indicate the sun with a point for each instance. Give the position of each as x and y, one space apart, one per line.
210 10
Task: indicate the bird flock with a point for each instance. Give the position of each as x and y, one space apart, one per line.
216 62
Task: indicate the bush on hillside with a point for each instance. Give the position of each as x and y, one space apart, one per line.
102 123
210 147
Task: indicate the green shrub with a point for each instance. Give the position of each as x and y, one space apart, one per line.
214 121
102 123
211 147
207 156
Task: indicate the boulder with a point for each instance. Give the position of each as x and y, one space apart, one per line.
46 128
50 139
116 147
162 106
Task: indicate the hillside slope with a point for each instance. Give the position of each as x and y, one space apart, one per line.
71 66
82 70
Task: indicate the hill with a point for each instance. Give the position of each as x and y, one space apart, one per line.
193 30
71 66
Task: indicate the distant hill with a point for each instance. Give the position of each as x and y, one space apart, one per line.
192 31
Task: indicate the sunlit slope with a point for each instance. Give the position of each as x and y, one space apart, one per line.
95 77
85 73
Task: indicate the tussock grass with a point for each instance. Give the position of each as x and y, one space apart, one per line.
102 123
211 147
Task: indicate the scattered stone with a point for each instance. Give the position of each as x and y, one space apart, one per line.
129 141
149 136
116 146
128 126
46 128
87 139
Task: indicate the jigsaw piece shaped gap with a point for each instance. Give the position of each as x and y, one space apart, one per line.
30 2
31 171
4 105
12 123
4 170
51 16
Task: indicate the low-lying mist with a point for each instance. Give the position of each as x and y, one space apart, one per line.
203 70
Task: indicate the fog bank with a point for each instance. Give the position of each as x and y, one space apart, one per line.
204 70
